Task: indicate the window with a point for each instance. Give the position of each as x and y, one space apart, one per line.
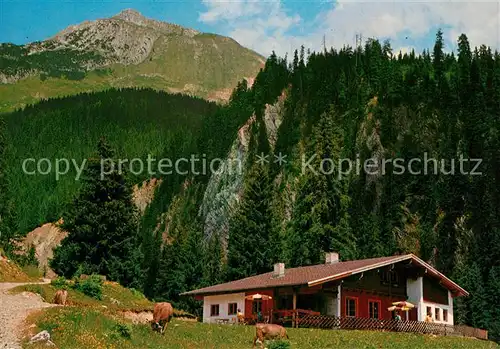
429 311
438 314
233 309
374 309
257 306
445 315
214 310
390 276
350 306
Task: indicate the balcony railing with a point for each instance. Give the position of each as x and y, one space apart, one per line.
352 323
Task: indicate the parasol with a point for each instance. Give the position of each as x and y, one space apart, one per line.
403 304
264 297
394 307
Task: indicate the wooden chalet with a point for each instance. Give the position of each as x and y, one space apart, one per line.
351 289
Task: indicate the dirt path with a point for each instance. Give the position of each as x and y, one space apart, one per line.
13 311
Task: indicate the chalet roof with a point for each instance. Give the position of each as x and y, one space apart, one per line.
319 274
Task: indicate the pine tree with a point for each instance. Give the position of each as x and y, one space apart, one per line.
152 252
438 57
171 279
213 267
249 252
321 221
471 310
8 231
101 225
493 297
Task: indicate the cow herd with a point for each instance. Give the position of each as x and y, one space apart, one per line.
163 313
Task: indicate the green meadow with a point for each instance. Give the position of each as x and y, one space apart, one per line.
73 327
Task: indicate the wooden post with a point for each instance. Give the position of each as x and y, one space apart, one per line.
294 316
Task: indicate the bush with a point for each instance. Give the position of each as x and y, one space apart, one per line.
136 294
26 258
32 271
92 286
60 283
124 330
279 345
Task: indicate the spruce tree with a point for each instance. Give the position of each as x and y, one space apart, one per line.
101 225
321 220
438 57
493 297
213 267
249 252
8 231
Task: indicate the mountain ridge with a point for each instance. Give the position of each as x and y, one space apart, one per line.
122 51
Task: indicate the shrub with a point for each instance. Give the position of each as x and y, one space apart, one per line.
60 283
26 258
279 345
32 271
92 286
124 330
136 294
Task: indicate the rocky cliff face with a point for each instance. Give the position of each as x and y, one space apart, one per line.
224 189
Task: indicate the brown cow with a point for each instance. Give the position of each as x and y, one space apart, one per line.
61 297
268 331
162 314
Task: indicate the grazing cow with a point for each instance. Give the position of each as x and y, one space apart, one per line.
268 332
61 297
162 314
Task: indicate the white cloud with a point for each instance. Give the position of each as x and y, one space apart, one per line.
229 10
260 25
266 25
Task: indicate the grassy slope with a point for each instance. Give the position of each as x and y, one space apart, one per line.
10 272
90 328
115 297
30 90
196 66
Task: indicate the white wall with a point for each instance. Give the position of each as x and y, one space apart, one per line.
415 291
433 307
223 301
339 300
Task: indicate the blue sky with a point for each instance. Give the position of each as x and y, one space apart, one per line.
280 25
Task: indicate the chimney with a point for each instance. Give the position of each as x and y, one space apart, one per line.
331 257
279 270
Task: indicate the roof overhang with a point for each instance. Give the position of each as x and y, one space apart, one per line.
359 270
445 281
246 290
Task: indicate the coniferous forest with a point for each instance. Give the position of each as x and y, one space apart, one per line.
354 103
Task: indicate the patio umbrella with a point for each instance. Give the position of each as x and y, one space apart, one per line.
404 304
264 297
395 307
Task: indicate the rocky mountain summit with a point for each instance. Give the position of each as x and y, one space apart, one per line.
126 38
125 50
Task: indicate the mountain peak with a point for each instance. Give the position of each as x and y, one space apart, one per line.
131 15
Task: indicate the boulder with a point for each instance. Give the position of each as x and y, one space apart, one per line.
41 337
